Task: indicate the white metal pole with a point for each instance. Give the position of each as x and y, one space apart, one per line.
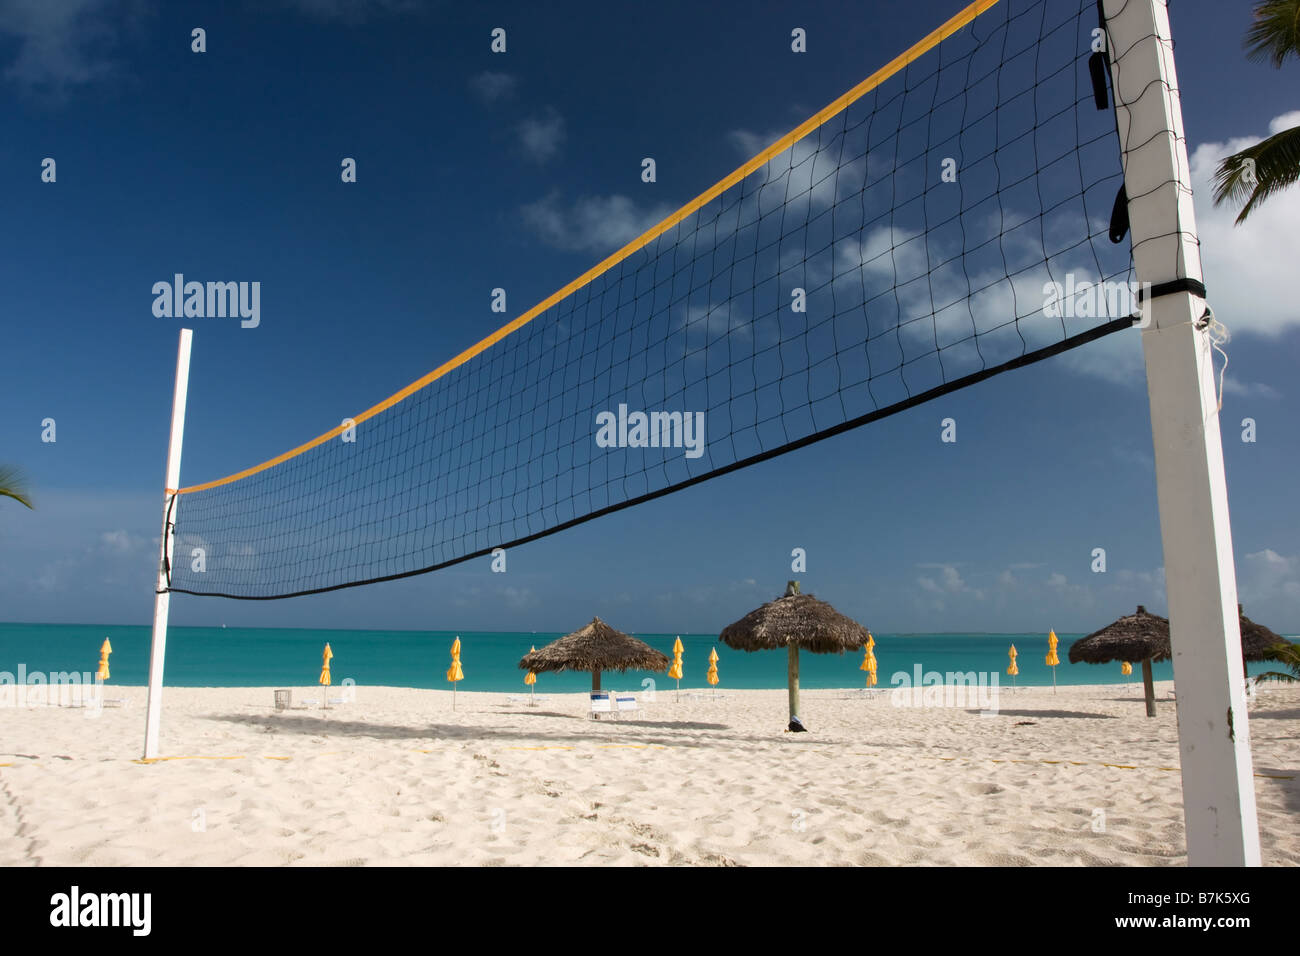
1200 576
161 602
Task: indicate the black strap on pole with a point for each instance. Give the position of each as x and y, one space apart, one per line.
167 532
1098 67
1194 286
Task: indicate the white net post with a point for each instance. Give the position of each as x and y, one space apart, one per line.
162 599
1213 732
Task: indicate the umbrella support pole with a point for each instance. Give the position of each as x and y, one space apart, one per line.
1149 687
792 674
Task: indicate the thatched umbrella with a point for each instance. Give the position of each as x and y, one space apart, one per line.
596 647
795 621
1139 637
1257 641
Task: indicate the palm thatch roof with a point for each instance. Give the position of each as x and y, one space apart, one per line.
596 647
1257 640
1129 639
801 619
1138 637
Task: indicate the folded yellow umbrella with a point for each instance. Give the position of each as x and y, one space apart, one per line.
869 660
675 672
1012 669
325 675
530 678
454 673
1052 659
104 651
1125 668
713 669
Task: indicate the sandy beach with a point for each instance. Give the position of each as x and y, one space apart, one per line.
1079 777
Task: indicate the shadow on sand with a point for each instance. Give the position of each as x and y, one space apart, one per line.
636 731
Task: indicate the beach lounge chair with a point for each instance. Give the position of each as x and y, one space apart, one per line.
624 703
600 703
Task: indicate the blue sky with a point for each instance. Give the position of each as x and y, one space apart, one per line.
520 170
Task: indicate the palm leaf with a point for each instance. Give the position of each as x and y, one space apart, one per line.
1277 166
1287 654
11 485
1275 33
1276 675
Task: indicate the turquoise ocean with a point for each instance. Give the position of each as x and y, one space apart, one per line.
285 657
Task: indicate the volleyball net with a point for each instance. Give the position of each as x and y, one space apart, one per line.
951 217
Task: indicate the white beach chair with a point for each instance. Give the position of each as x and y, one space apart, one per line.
624 703
600 703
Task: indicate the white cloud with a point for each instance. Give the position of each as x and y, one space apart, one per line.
597 224
1284 122
805 174
121 542
1115 358
1246 270
1266 574
749 144
1232 386
950 582
542 137
519 597
62 44
492 87
1248 267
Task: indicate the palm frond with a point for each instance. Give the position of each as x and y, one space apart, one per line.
1277 166
1287 654
1275 675
1275 34
11 485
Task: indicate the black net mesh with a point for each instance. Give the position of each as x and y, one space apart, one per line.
902 249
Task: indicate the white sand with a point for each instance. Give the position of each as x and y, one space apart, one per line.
1082 777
